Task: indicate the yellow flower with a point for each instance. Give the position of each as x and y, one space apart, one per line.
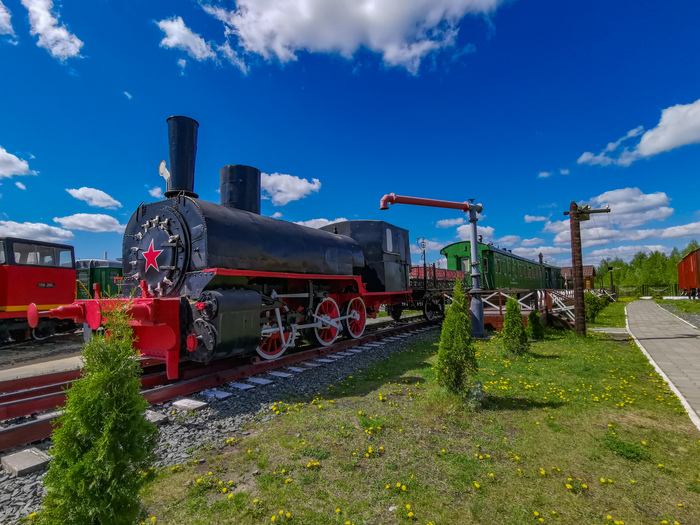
273 518
403 487
289 514
477 485
410 514
224 490
569 486
230 496
337 511
536 513
153 519
255 500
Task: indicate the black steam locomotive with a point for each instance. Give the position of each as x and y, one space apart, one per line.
217 280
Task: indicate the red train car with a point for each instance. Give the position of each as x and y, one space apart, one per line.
33 272
417 272
689 273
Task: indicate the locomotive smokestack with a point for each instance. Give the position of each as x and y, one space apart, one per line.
240 187
182 142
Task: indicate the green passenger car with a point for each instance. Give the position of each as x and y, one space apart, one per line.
503 270
102 272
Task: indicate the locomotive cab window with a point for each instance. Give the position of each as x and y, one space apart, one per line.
389 242
25 253
64 258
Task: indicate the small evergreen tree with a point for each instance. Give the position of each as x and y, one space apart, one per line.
513 333
103 442
456 356
534 327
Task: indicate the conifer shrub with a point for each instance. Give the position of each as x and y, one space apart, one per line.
103 444
594 305
456 355
535 331
513 334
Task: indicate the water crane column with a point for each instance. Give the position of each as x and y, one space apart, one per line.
477 306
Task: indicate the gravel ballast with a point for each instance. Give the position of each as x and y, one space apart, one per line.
187 433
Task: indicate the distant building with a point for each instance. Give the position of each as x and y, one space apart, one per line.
588 276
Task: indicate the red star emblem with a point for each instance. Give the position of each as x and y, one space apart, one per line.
151 257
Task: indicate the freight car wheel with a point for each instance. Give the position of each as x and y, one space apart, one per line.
431 308
327 310
354 326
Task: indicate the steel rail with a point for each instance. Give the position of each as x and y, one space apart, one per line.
192 380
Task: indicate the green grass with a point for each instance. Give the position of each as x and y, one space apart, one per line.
612 316
687 306
577 430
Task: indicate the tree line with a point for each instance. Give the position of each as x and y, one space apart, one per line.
650 269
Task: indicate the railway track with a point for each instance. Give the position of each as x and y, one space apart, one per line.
40 397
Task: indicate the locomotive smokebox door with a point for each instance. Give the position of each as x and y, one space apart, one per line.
159 251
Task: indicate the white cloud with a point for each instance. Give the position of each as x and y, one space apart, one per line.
156 193
441 263
283 189
543 174
679 126
232 56
57 40
179 36
626 253
276 215
94 197
90 222
34 230
20 186
448 223
535 218
11 165
629 207
128 95
546 251
532 242
430 246
182 63
508 240
564 172
319 223
5 21
403 33
485 231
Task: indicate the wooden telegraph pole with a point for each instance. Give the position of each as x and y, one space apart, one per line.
577 214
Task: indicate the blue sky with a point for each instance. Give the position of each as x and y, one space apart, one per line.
523 106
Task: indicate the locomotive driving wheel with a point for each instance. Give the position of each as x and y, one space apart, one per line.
327 310
354 326
274 341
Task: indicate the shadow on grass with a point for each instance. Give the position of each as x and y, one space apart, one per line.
542 356
518 403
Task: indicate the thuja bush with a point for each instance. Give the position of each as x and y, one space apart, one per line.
534 329
513 334
594 305
456 355
103 443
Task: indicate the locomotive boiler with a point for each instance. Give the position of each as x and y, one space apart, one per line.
206 281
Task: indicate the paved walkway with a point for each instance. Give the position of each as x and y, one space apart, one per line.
673 345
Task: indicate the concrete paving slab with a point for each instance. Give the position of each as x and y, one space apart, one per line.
324 361
355 351
259 381
156 417
673 347
25 462
189 405
336 356
346 353
240 386
217 394
312 364
296 369
280 374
